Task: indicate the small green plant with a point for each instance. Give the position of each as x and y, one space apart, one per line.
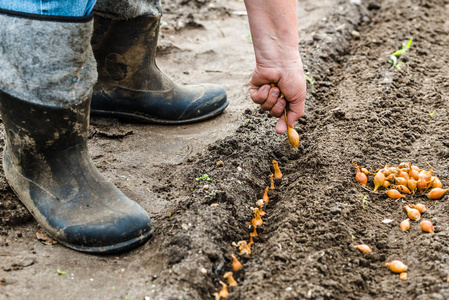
394 57
431 113
213 193
205 177
250 39
364 202
310 80
352 236
61 272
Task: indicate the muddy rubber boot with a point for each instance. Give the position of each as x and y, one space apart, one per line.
131 87
48 71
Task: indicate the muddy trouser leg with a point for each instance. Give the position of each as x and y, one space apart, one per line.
130 86
48 71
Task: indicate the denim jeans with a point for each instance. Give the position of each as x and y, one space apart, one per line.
66 8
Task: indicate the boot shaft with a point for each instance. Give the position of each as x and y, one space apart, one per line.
32 129
125 52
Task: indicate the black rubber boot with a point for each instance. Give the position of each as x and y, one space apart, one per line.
131 87
47 164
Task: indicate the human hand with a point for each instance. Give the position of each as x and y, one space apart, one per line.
289 79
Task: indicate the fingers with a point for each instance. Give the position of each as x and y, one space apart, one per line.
296 109
269 99
278 108
281 126
273 96
294 112
259 94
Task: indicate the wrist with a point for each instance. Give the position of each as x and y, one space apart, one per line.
279 60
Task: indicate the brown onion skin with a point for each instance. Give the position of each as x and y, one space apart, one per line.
400 181
363 248
437 183
293 137
413 213
413 173
427 226
419 206
404 175
405 225
379 180
396 266
361 178
394 194
421 184
411 184
236 265
402 189
436 193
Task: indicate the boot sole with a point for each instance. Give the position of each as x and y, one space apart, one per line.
11 172
134 118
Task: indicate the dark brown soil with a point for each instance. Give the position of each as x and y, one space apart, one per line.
359 109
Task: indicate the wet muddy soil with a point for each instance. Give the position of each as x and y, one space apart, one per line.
359 109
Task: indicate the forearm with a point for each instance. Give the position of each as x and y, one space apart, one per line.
274 33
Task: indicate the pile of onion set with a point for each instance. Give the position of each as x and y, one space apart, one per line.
402 180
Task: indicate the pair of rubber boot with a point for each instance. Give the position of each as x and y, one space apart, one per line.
46 80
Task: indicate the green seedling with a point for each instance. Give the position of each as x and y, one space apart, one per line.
431 113
364 202
205 177
352 236
250 39
394 57
310 80
61 272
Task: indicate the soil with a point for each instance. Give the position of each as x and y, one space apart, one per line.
359 109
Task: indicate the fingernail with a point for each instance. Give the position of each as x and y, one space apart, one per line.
278 104
265 89
275 93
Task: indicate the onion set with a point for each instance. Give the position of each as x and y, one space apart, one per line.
230 278
427 226
271 181
236 265
396 266
405 225
360 176
412 213
277 172
363 248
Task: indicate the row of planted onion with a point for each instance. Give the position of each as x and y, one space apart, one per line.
243 246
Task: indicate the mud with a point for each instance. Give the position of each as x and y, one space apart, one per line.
359 109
